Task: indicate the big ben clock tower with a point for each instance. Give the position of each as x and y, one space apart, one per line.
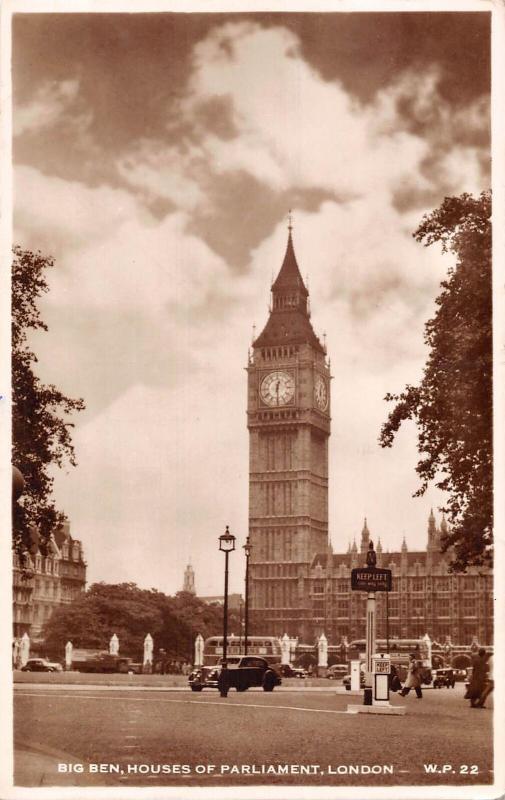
288 412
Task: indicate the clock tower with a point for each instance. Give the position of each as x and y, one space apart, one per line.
288 411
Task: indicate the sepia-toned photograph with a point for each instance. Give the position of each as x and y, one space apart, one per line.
251 401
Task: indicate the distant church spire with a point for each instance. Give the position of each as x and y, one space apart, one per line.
189 580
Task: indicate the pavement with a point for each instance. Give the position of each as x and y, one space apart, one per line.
34 766
146 725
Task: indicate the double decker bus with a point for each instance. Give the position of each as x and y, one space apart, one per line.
269 647
399 650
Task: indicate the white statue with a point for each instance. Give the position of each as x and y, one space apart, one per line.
285 649
114 645
322 650
428 642
199 650
24 649
15 653
148 650
68 655
293 643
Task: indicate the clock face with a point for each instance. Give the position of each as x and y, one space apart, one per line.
277 388
321 393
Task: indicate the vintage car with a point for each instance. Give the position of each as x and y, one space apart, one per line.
443 677
337 671
242 673
104 662
41 665
287 671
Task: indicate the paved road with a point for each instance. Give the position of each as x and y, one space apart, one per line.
165 738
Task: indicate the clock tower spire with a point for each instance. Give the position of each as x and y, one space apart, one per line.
289 426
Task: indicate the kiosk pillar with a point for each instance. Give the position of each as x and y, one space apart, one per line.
370 647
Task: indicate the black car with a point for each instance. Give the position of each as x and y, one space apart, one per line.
443 677
287 671
337 671
41 665
242 673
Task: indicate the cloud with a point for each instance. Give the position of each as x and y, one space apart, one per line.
150 319
54 103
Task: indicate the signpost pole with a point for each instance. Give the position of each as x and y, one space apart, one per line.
370 646
387 621
371 579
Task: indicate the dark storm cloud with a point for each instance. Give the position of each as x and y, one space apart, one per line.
132 69
233 235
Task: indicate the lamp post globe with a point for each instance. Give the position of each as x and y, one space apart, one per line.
227 541
226 545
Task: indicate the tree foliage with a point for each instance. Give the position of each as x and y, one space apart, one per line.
41 430
452 405
129 612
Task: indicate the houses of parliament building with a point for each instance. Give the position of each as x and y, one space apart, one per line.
297 584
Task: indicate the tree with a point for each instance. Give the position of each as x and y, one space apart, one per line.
452 406
40 413
174 622
124 609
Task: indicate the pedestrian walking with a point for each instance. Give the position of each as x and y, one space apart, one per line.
489 685
394 679
413 679
478 679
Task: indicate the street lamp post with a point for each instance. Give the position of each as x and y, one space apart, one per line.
226 545
247 550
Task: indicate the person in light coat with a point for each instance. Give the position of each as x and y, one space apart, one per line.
413 679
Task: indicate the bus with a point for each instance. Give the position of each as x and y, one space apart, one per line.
399 650
269 647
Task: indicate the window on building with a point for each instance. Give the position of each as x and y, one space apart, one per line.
469 605
318 587
443 584
394 607
469 631
342 608
418 584
442 608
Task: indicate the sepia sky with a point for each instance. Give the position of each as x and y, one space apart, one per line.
156 157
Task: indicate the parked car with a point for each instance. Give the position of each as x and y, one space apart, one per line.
242 671
337 671
105 662
443 677
460 674
287 671
41 665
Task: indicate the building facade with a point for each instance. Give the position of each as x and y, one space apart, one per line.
297 584
289 425
48 580
425 596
